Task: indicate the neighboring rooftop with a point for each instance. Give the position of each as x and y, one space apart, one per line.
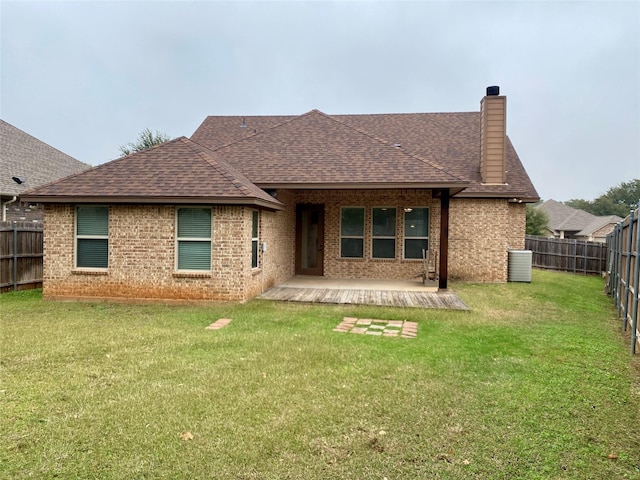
36 163
568 219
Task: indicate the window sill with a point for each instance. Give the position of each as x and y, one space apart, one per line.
90 271
351 259
192 274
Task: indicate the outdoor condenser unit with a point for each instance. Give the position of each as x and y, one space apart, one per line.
520 265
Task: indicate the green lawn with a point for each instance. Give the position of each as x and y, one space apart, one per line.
535 382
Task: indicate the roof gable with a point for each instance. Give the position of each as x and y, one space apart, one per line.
180 171
317 149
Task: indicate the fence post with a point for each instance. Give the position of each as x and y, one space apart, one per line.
15 256
625 308
636 286
619 263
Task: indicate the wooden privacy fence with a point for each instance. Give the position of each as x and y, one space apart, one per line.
623 271
566 255
20 256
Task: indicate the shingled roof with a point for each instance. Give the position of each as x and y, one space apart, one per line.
568 219
446 142
37 163
316 150
230 159
178 171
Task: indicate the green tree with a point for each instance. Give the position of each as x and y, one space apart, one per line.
537 220
617 201
146 139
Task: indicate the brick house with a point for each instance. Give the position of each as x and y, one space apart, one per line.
248 202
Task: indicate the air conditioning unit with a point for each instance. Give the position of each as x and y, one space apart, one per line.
520 265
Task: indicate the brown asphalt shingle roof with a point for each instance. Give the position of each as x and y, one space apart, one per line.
316 149
225 161
446 142
179 171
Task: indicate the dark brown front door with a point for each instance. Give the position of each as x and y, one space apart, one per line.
309 239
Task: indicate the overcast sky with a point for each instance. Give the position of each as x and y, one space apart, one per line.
87 77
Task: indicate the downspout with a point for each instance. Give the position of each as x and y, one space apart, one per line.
4 207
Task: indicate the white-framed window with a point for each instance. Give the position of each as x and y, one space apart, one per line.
352 232
193 238
92 236
255 239
416 232
383 232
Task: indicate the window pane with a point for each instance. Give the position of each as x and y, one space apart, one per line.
413 247
194 222
92 220
254 225
352 222
93 253
254 254
384 222
384 248
194 255
416 223
352 247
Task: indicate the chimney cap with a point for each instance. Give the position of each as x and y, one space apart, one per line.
493 90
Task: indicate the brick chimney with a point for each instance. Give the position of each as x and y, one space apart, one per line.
493 130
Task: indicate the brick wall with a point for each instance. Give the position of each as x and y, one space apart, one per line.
142 259
336 267
142 246
277 230
24 212
481 231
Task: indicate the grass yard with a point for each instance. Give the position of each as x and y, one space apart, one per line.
535 382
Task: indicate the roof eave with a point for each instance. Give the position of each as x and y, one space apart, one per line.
513 197
132 200
459 186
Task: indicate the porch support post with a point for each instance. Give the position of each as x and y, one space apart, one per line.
444 239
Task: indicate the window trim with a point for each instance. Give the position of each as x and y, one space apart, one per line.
192 239
404 236
255 240
90 237
362 237
385 237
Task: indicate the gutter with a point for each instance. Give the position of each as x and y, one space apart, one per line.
4 207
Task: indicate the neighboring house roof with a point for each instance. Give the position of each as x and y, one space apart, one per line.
447 141
597 224
178 171
24 156
568 219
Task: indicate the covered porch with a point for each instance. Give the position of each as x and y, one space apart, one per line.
389 293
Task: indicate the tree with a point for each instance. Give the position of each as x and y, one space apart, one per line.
146 139
617 201
537 221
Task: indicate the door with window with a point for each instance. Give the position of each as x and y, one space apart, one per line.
309 239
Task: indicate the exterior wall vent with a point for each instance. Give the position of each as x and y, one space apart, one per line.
520 265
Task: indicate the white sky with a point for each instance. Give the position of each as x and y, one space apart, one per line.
87 77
